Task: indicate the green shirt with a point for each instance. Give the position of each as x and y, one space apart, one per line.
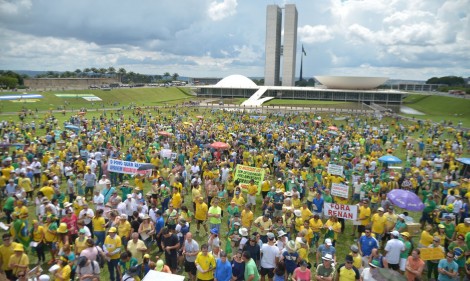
406 253
9 204
430 205
215 211
251 269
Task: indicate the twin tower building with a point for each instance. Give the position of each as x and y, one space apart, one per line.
275 47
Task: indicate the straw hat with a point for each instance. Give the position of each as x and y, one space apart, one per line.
291 246
243 231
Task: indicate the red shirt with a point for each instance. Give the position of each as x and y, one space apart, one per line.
71 223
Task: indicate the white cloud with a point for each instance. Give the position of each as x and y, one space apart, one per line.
314 34
13 8
218 11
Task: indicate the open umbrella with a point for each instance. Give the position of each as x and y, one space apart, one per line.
220 145
146 166
390 159
165 134
406 200
72 127
465 161
334 128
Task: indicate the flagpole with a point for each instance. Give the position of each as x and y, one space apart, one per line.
301 65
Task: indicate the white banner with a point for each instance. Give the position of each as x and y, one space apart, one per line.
347 212
340 190
335 169
165 153
126 167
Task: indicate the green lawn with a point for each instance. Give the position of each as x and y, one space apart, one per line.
438 108
138 96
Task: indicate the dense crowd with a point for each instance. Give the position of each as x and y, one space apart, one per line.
64 207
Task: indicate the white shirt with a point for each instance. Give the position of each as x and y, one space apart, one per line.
394 247
86 215
98 200
367 275
270 252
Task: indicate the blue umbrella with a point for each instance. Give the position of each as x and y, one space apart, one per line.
72 127
465 161
390 159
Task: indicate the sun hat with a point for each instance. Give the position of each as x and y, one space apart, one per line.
281 233
327 257
466 220
18 248
291 246
243 231
278 190
406 234
288 194
62 228
112 230
146 256
297 213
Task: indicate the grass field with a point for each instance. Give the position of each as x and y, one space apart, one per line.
438 108
113 98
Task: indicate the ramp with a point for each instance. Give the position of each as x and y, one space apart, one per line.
255 100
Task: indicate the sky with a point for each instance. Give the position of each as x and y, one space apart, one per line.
399 39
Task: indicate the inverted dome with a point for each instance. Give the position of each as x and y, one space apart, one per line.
351 82
236 81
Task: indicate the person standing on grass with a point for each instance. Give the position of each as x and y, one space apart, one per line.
223 268
190 252
414 266
269 257
393 248
112 249
201 214
205 265
170 244
251 270
215 215
448 268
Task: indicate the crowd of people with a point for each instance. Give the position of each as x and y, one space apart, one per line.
63 206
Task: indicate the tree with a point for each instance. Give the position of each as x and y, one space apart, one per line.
447 80
166 75
8 82
175 76
121 73
78 72
102 71
112 71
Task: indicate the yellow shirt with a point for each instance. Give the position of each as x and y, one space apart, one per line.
316 225
252 189
391 221
124 229
48 191
357 260
426 239
462 229
5 254
364 212
201 211
306 214
98 223
80 245
196 193
335 227
265 186
265 225
38 234
240 201
113 244
206 263
176 200
378 223
25 183
22 260
247 218
64 272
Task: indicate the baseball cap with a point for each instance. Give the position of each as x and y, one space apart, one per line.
349 258
395 233
328 242
270 235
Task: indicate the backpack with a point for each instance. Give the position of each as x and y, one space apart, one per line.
99 258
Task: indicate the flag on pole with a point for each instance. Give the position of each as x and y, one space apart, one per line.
303 51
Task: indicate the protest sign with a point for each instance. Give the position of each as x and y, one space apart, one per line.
340 190
347 212
428 254
335 169
126 167
165 153
246 173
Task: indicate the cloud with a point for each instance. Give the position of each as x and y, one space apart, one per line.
13 8
314 34
218 11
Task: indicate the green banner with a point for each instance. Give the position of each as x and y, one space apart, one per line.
244 174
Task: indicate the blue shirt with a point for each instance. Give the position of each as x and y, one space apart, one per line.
367 244
290 260
223 270
319 204
323 250
448 266
160 223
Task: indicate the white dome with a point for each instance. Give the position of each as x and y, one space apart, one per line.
236 81
351 82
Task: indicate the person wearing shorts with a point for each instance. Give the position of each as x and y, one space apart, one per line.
270 253
252 191
190 252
